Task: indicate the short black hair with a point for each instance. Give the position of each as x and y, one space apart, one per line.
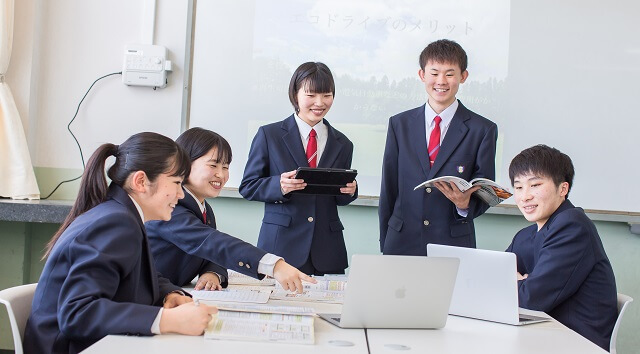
444 51
196 142
314 77
544 161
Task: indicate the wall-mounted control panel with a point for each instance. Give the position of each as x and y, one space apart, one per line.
145 65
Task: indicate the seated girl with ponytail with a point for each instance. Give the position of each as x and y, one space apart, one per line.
189 244
99 277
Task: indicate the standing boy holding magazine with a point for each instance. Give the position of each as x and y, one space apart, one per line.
440 138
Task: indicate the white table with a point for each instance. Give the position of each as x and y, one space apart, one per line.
328 339
465 335
460 335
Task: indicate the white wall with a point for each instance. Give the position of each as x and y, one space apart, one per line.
62 46
562 73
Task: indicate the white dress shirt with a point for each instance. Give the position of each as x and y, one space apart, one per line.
446 116
322 133
430 124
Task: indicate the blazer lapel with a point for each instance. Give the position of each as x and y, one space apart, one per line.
211 218
418 134
192 205
332 148
456 132
291 139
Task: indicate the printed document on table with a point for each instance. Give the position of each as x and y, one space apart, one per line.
335 297
286 310
270 327
322 285
236 278
340 277
233 295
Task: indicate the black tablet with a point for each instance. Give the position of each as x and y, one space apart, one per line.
325 181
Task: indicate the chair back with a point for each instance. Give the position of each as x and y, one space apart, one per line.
18 302
623 303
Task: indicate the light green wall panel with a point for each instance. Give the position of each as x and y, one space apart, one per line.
15 240
48 178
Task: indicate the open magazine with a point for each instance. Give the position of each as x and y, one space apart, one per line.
490 192
283 324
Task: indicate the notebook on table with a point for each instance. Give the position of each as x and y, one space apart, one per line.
396 292
486 286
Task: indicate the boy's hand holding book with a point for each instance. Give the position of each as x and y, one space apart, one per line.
455 195
487 190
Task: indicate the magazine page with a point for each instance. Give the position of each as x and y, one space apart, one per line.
491 192
233 325
461 183
236 278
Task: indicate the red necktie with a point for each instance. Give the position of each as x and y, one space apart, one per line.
312 149
434 141
204 216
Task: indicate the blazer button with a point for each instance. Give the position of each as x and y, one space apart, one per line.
240 264
310 219
428 190
426 223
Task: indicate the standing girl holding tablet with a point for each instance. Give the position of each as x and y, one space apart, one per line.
189 244
305 229
99 277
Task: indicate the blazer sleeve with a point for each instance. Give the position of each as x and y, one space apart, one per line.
485 168
193 237
389 183
166 287
257 183
87 307
564 262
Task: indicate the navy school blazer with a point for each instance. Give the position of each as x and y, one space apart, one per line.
296 226
98 280
570 276
409 219
185 246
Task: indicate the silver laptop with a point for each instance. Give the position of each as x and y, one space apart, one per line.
397 292
487 286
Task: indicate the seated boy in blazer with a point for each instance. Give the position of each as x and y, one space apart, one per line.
563 269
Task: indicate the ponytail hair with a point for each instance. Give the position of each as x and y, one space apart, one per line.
152 153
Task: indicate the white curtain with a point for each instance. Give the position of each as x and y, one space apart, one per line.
17 179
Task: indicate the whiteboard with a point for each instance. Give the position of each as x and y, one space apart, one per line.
560 73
